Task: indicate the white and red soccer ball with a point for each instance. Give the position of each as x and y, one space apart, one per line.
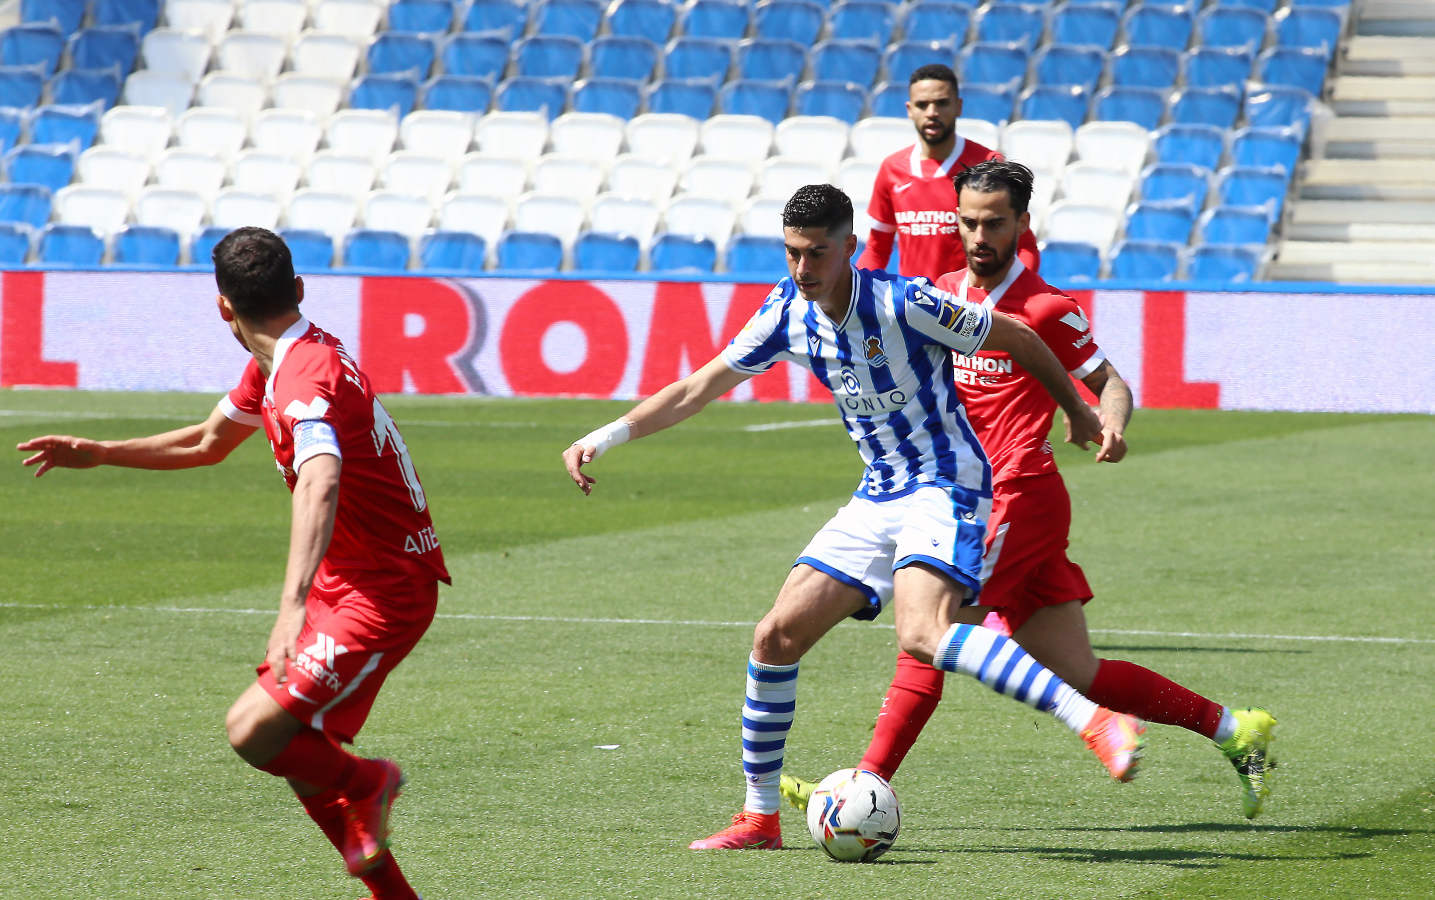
853 815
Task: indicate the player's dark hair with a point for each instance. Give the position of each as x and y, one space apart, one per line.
934 72
818 206
998 175
254 270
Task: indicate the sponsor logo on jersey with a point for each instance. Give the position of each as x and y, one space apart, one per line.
1081 341
873 348
1076 320
860 403
317 660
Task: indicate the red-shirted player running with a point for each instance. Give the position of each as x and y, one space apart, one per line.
361 582
1035 591
913 202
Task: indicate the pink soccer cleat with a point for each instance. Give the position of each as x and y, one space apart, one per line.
1117 740
748 831
366 821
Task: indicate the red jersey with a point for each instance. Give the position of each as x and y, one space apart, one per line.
317 401
914 199
1009 409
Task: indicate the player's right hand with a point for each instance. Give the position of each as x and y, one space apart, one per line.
573 459
62 450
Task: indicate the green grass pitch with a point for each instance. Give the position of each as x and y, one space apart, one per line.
570 722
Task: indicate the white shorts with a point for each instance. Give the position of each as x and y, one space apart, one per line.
867 540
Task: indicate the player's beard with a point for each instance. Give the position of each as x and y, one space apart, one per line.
942 135
994 264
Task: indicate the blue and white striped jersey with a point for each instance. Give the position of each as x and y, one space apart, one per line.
888 365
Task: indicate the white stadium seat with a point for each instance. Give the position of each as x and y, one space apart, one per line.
878 137
213 129
235 208
855 177
663 137
574 176
781 176
178 52
241 93
986 133
355 18
178 210
728 180
492 176
700 217
556 214
437 132
209 17
115 168
737 137
593 135
1082 222
405 213
258 172
483 215
362 132
168 90
104 209
327 54
416 174
282 18
140 129
818 139
252 53
288 132
1121 145
636 176
1097 185
1043 146
520 135
190 170
619 214
337 172
763 216
333 214
319 95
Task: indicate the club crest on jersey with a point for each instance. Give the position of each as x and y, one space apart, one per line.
872 346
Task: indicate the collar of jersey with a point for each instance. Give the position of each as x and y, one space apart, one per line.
851 301
994 296
945 167
281 347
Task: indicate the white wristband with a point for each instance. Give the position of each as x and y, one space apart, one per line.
605 438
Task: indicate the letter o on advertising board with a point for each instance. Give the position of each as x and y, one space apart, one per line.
576 303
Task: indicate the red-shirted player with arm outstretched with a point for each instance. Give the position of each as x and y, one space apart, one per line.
1036 591
913 203
361 582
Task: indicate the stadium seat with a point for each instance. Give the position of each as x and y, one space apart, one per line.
523 250
1302 67
1313 27
33 44
103 208
820 140
111 167
397 92
763 216
319 95
173 208
436 132
281 18
871 21
422 16
1120 145
287 132
480 55
108 47
1166 182
1095 225
1008 22
180 52
201 246
757 256
477 214
573 176
781 176
1276 105
453 251
504 17
599 252
936 20
703 58
458 93
1207 106
311 249
15 241
548 96
146 245
360 132
1253 186
241 93
1224 264
727 19
1158 25
728 180
622 56
65 124
700 217
570 18
251 53
634 176
556 214
847 61
167 90
662 137
990 63
49 165
1216 66
373 248
66 14
21 86
835 99
1151 67
889 100
1234 225
1065 64
614 213
516 135
141 129
316 210
12 124
681 254
548 56
1067 104
1200 145
1064 262
357 19
902 59
771 59
617 97
143 13
737 137
25 203
81 87
788 20
235 207
1265 6
71 245
394 53
340 172
191 170
1096 184
416 175
692 97
1090 25
594 136
1161 222
651 20
1266 146
1042 146
1144 260
480 173
746 97
987 102
875 138
1230 26
395 210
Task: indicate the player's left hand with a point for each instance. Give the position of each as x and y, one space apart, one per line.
284 641
1113 445
574 459
1083 428
63 451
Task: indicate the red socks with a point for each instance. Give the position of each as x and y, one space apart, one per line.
386 880
1129 688
311 757
914 694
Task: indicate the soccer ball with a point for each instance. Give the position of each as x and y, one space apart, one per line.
853 815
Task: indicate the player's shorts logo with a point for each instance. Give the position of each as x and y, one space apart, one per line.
317 660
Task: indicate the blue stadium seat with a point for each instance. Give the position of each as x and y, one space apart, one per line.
944 21
80 87
690 57
649 19
21 86
755 256
62 124
396 90
989 102
789 20
1225 25
147 245
1156 67
15 240
771 59
393 52
67 14
572 18
994 64
1215 66
71 245
529 250
507 16
1233 225
103 47
49 165
727 19
1168 182
1302 67
201 245
33 44
597 252
847 60
682 254
1274 104
863 20
1224 264
1201 145
1067 64
458 93
1063 262
1144 106
372 248
1264 6
841 100
1253 186
1266 146
1300 26
1093 25
144 13
1162 222
548 56
622 56
310 249
889 99
454 251
1207 106
421 16
546 95
901 60
481 55
1146 260
12 122
1006 22
747 97
25 203
1067 103
1158 25
694 97
614 96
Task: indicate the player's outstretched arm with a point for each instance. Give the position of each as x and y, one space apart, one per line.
1030 352
202 444
1114 403
669 406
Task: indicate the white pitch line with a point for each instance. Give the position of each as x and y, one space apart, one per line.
707 623
798 423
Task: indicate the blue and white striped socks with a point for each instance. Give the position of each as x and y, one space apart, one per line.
767 715
1001 664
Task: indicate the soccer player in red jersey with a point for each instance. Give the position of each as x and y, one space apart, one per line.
913 203
361 582
1037 592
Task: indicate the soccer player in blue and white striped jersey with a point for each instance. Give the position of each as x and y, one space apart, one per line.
913 532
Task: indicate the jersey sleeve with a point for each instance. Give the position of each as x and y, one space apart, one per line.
943 318
245 401
305 400
1062 325
762 342
879 208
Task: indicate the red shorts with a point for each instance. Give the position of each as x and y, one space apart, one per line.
1026 566
353 638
